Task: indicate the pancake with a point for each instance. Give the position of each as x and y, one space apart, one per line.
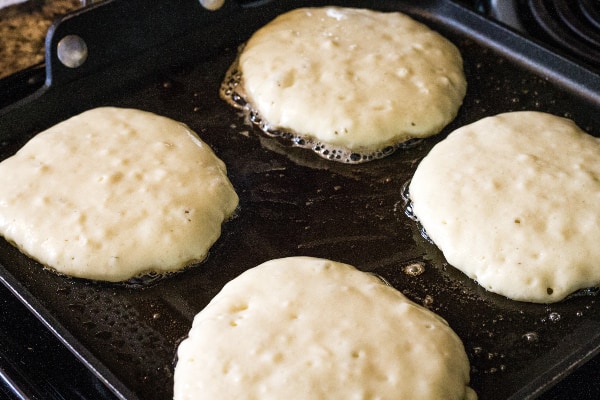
351 84
309 328
114 193
512 201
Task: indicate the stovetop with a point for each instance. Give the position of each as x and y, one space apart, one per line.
35 365
569 27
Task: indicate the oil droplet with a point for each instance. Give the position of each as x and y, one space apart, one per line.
427 301
414 269
554 317
531 337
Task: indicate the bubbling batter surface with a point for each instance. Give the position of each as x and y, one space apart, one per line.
114 193
512 201
352 84
309 328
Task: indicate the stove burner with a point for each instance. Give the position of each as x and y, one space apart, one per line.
572 25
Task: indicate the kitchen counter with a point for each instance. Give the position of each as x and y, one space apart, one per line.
23 30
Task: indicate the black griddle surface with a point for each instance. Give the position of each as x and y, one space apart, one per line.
292 202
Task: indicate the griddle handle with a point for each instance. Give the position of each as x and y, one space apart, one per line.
110 38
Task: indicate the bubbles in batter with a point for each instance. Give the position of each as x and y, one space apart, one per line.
414 269
231 92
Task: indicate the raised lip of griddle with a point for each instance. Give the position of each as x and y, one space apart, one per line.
65 337
501 39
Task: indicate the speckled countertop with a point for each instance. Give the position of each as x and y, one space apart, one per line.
23 30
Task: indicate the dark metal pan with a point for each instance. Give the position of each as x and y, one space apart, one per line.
169 57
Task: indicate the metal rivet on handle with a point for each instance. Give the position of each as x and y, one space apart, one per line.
72 51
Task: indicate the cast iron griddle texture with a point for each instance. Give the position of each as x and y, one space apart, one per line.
292 202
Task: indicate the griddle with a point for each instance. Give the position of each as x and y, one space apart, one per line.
169 57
